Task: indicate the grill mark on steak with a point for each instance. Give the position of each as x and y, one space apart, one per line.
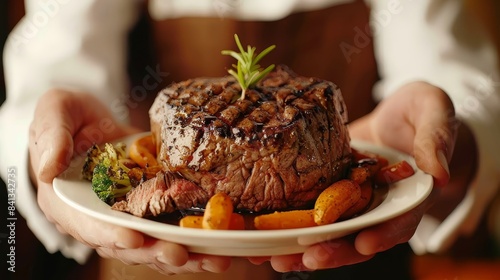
278 148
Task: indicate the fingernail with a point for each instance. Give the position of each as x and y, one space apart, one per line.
121 245
161 258
208 265
310 261
310 264
443 161
258 261
44 161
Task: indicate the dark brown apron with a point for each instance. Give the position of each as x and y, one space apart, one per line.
332 44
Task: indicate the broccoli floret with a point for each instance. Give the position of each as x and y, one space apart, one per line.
91 161
109 175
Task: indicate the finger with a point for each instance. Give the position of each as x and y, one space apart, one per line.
198 263
168 258
391 233
85 229
435 133
361 129
153 252
332 254
258 260
201 262
66 123
51 141
287 263
100 128
423 118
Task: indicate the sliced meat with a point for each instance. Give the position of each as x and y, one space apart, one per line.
162 194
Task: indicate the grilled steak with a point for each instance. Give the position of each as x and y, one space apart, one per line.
276 149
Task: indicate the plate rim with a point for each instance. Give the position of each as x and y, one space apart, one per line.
144 225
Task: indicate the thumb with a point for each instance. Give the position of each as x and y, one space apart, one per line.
65 123
55 147
56 118
435 133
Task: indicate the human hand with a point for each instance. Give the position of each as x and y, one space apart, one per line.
68 123
418 119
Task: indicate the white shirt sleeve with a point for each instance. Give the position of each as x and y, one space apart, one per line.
436 41
263 10
79 45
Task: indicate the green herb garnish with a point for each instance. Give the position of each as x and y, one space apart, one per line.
248 72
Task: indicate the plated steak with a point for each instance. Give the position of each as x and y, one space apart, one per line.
276 149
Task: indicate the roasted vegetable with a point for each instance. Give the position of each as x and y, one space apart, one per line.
109 174
218 212
91 161
393 173
236 222
143 152
362 203
286 220
191 222
335 200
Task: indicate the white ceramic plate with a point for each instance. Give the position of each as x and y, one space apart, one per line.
390 202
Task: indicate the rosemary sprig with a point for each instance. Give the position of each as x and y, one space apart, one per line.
248 72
